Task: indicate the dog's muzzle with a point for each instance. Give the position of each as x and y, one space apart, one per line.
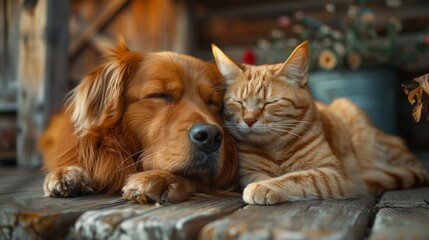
206 137
206 140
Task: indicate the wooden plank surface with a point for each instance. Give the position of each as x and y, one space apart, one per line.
26 214
329 219
402 214
178 221
408 198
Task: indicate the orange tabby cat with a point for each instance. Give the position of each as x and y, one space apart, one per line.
293 148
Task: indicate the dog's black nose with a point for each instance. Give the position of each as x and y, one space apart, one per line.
206 137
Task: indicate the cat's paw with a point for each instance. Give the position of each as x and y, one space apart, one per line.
70 181
261 194
156 186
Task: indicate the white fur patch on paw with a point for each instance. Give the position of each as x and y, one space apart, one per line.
67 182
260 194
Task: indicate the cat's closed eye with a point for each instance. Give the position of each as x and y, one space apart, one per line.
239 102
270 102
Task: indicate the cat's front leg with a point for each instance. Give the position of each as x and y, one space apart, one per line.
321 183
251 177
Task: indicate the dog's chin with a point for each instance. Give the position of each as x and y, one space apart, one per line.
206 163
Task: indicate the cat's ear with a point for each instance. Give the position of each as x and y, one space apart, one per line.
227 67
296 66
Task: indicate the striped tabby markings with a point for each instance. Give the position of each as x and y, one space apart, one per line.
396 177
317 150
316 187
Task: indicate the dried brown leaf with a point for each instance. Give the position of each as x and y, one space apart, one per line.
424 82
417 92
417 112
405 89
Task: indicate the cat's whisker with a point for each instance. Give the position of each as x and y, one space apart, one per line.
233 131
291 123
298 121
275 133
289 127
232 127
287 131
286 125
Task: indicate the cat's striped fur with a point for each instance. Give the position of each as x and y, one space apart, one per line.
293 148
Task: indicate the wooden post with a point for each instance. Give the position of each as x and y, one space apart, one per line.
106 15
9 53
57 58
9 20
42 71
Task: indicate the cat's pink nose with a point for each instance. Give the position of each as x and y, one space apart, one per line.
250 121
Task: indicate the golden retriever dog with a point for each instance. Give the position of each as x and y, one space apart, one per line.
148 124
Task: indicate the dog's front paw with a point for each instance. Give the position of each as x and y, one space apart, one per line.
158 186
67 182
261 194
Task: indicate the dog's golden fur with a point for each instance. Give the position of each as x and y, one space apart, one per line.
129 129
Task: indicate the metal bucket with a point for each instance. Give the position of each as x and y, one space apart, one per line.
374 91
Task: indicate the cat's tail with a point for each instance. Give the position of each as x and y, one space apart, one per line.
390 178
400 168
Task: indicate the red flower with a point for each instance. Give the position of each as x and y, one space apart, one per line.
426 39
249 56
284 21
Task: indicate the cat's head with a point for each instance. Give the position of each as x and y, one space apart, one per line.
267 101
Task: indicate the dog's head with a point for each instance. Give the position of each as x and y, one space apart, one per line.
167 106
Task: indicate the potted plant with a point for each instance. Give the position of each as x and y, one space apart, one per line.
348 58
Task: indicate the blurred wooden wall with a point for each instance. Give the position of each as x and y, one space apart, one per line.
237 25
47 46
146 25
9 20
39 63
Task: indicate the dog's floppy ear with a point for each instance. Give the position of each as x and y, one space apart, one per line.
97 102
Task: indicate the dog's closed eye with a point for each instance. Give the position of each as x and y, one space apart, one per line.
213 103
161 95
